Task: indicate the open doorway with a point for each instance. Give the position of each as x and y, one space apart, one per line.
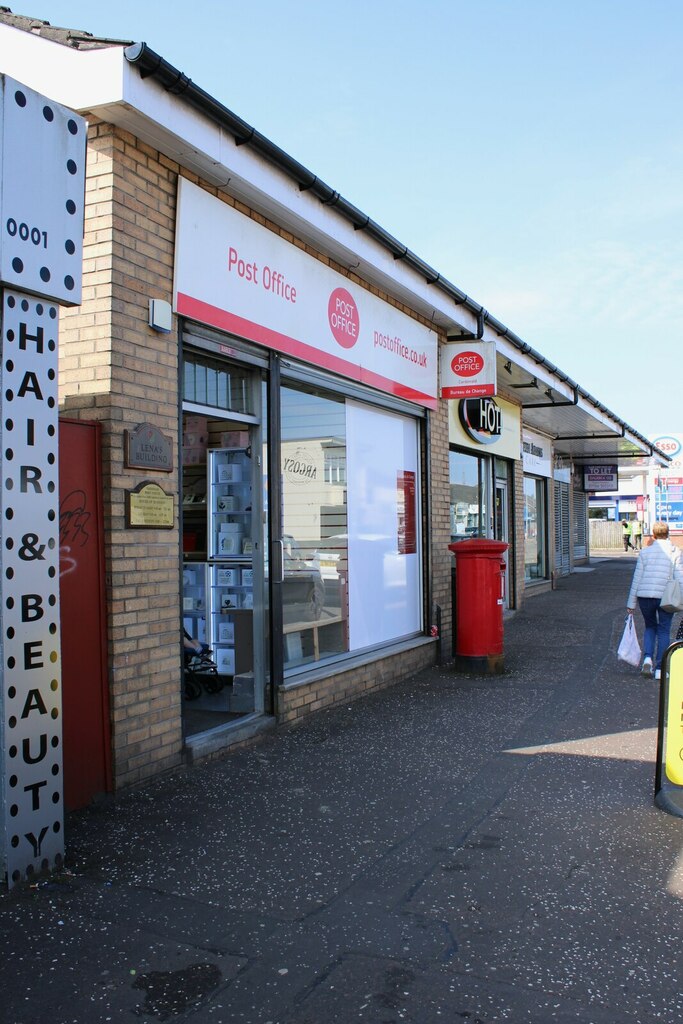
224 598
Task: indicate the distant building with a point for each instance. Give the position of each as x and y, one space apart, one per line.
647 492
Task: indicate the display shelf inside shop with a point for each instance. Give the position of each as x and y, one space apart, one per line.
309 641
194 600
230 519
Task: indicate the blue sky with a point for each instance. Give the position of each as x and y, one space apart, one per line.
531 151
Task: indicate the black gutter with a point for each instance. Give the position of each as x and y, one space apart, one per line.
151 65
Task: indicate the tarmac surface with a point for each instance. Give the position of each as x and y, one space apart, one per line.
452 849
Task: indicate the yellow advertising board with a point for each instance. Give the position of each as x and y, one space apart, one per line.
673 753
504 436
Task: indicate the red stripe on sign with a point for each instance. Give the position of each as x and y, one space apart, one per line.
469 391
205 313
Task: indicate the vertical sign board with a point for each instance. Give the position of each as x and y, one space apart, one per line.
669 501
42 176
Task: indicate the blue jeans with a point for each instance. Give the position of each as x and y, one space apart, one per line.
657 629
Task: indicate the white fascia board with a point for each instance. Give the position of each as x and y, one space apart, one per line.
79 79
201 145
102 82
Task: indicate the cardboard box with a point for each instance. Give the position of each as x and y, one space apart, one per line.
198 424
227 577
226 632
231 528
229 543
194 439
227 503
247 577
229 473
225 661
235 439
194 456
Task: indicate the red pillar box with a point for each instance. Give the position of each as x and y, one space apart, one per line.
479 602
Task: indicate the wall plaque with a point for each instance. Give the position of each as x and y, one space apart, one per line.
148 506
147 448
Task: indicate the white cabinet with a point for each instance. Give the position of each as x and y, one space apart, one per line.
229 504
195 600
218 595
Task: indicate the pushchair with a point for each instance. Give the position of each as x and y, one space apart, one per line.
200 673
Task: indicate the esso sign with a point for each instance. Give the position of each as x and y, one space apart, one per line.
467 364
668 444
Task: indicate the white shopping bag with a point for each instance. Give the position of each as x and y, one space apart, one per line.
629 648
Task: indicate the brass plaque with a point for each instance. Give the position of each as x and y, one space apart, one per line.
149 507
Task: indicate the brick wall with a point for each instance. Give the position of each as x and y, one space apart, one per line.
115 369
441 560
295 702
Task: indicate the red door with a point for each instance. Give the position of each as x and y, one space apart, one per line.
85 705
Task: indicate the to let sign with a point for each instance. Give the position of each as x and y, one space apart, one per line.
601 478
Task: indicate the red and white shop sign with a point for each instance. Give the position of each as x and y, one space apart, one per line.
236 275
468 369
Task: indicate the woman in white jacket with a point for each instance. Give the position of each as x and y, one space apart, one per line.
651 575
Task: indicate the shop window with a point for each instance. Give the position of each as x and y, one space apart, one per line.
535 563
350 525
314 526
385 565
219 385
469 498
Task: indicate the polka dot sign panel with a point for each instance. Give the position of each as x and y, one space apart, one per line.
42 171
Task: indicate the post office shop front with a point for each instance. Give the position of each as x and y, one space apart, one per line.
303 396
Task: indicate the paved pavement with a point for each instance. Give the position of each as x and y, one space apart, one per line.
452 849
